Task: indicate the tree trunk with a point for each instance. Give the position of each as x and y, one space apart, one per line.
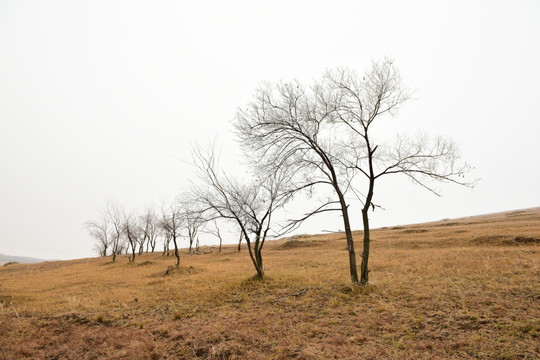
240 242
348 235
259 260
176 252
256 257
114 249
364 270
133 250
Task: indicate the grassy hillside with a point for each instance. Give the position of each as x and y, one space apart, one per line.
455 289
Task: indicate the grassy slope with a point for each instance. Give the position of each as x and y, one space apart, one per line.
451 289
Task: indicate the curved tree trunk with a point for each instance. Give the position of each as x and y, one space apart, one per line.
176 253
350 243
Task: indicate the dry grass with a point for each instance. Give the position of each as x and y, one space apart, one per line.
455 289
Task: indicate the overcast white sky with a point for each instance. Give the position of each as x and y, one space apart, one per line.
101 99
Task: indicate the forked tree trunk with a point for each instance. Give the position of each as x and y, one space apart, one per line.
256 257
115 249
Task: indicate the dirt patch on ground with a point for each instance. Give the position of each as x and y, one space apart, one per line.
294 244
11 263
447 224
508 240
414 231
144 263
518 240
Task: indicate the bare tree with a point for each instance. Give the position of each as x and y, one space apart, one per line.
357 103
215 231
133 233
284 125
172 220
324 130
249 205
99 230
194 219
166 239
150 229
115 215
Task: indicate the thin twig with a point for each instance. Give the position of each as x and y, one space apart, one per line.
13 307
301 292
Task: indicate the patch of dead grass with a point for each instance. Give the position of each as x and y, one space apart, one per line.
441 293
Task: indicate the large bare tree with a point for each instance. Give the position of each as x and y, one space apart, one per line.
325 130
360 102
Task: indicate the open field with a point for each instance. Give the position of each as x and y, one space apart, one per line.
453 289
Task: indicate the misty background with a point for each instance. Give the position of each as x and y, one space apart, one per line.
103 99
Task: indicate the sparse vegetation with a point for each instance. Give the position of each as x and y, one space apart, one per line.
10 263
442 293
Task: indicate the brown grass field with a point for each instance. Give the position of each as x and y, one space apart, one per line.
452 289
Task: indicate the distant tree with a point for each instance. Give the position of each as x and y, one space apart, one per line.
240 241
249 205
215 230
133 233
172 221
194 219
166 235
99 230
323 132
115 215
150 229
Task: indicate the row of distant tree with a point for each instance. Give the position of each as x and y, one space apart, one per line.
118 231
299 140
